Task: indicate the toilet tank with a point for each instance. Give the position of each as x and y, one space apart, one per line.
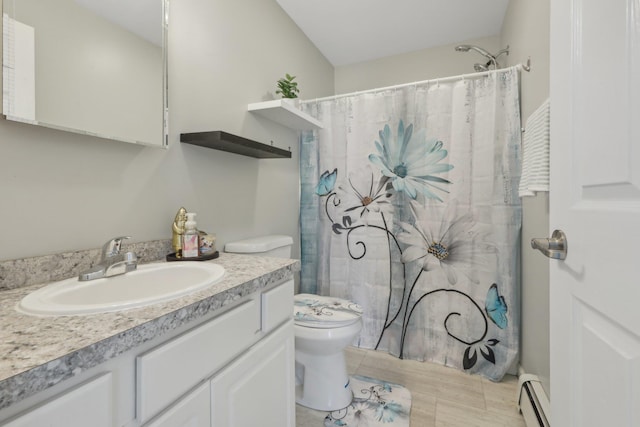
277 246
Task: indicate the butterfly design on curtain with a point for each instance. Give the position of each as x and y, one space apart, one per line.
496 307
326 182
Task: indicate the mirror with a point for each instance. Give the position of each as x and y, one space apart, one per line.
87 66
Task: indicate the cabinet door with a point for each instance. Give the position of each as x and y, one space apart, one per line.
87 405
173 368
192 411
258 388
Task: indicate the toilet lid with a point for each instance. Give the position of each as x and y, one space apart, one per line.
317 311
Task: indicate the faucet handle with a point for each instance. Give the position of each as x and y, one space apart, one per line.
112 247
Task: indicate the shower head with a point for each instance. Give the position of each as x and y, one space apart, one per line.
468 47
492 58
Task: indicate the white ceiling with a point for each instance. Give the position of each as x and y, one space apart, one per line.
351 31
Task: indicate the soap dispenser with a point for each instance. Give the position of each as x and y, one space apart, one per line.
190 237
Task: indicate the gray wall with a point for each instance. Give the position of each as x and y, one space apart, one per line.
61 192
526 30
421 65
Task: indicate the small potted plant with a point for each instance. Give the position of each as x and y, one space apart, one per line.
287 87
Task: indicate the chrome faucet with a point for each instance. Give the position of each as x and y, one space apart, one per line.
112 261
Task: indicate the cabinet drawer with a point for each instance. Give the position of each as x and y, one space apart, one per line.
277 306
170 370
89 404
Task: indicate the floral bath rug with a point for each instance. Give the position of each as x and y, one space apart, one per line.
375 403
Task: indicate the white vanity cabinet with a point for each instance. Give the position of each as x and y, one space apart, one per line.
251 380
170 370
194 410
234 369
255 389
89 404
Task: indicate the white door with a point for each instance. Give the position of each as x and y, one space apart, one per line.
595 200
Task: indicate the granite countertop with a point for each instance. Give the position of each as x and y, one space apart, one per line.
39 352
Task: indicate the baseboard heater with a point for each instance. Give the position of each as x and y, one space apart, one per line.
533 402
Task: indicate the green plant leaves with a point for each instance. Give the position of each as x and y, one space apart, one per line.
287 87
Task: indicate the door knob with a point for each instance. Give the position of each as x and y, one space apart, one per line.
555 247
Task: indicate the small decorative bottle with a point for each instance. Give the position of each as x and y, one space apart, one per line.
190 237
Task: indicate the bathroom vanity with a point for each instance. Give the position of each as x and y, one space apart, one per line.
221 357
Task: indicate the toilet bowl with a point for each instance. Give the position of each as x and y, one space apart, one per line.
324 327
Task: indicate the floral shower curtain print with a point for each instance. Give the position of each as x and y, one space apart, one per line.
409 207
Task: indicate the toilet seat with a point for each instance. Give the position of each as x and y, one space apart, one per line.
322 312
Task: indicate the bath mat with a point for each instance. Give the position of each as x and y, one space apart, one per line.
375 403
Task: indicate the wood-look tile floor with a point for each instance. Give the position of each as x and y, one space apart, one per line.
441 396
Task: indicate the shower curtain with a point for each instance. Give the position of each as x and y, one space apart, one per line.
410 208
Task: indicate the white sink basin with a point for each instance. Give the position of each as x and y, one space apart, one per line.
149 284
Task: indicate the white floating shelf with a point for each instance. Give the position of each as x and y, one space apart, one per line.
281 111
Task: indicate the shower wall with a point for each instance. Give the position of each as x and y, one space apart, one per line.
415 66
526 31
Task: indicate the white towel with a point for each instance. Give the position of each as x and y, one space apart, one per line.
535 156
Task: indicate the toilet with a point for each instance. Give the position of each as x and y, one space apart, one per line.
324 327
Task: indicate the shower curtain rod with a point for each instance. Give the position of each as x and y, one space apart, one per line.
518 67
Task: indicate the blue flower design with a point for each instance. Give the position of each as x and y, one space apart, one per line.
308 302
411 161
388 412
